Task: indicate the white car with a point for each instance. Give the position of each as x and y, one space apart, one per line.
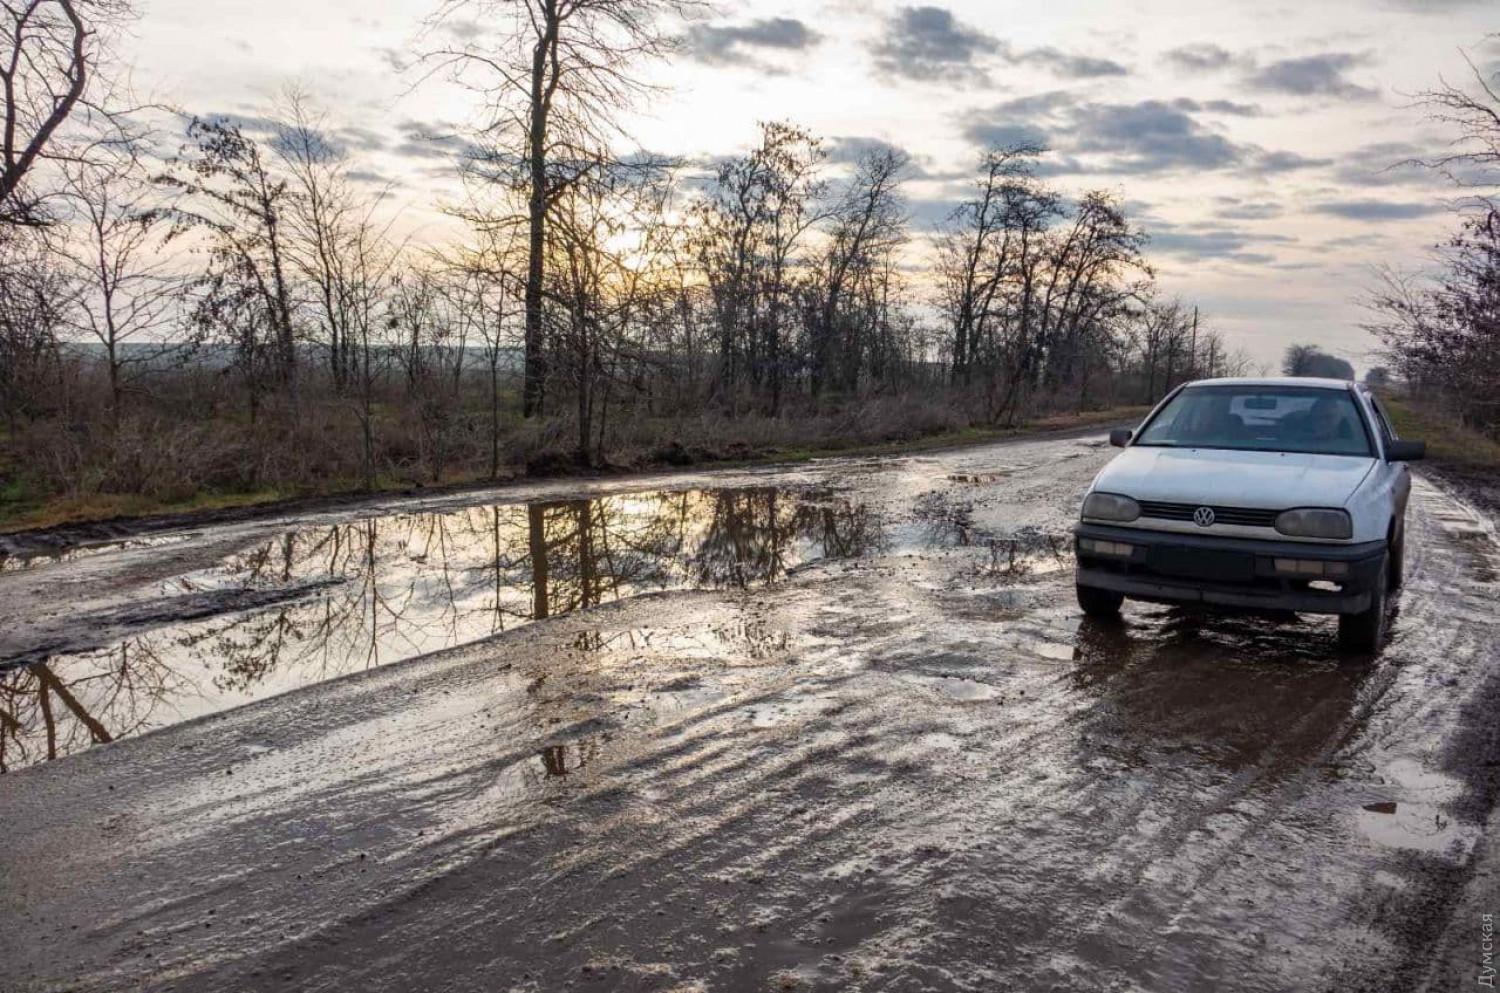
1270 494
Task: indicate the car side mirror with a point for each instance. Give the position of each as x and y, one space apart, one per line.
1405 451
1120 437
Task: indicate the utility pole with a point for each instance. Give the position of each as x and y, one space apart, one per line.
1194 373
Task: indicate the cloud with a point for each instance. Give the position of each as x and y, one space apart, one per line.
1218 107
1150 136
1378 210
1392 163
1147 137
1270 162
1207 245
248 124
1235 209
1344 244
1318 75
371 177
284 138
930 213
1312 76
727 44
848 149
1200 58
1069 66
1001 134
359 138
1434 6
434 140
462 29
929 43
1206 240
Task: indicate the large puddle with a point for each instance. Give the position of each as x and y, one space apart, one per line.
352 596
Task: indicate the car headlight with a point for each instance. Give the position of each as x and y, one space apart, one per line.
1315 523
1110 507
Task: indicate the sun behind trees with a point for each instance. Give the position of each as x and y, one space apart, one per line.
261 330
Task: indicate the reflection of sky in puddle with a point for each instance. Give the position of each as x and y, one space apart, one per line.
1416 827
1416 820
385 589
958 689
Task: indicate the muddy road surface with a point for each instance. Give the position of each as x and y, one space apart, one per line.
837 727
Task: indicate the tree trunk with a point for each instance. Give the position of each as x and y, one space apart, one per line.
534 375
537 539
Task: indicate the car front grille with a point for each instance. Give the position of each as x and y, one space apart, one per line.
1248 517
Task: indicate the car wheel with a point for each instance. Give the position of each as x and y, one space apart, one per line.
1365 631
1099 603
1398 557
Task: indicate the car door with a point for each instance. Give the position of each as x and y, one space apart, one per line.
1394 478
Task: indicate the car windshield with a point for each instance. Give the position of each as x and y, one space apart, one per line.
1260 419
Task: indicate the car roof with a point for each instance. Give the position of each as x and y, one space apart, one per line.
1297 381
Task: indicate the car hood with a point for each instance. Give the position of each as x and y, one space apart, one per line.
1266 480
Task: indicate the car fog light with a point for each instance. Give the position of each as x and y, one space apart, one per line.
1097 547
1311 567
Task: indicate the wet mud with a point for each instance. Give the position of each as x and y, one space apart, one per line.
832 728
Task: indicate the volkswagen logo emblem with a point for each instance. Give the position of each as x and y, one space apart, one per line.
1204 517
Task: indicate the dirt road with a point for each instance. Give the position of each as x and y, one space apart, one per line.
839 727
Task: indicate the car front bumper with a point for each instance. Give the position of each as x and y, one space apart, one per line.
1170 567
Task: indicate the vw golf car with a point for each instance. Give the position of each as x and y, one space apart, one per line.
1266 494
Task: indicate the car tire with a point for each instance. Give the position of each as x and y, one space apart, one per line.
1398 557
1365 632
1099 603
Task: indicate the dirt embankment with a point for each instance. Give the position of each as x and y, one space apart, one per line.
18 538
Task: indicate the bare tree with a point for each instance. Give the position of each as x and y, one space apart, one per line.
1441 329
971 266
35 296
1472 114
748 233
51 56
554 75
228 189
324 220
612 239
127 299
869 221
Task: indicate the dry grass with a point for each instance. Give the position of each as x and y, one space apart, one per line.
30 516
1464 460
158 467
1447 439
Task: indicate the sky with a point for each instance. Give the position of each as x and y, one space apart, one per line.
1259 143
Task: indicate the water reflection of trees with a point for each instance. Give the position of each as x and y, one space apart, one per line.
947 522
389 588
51 709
